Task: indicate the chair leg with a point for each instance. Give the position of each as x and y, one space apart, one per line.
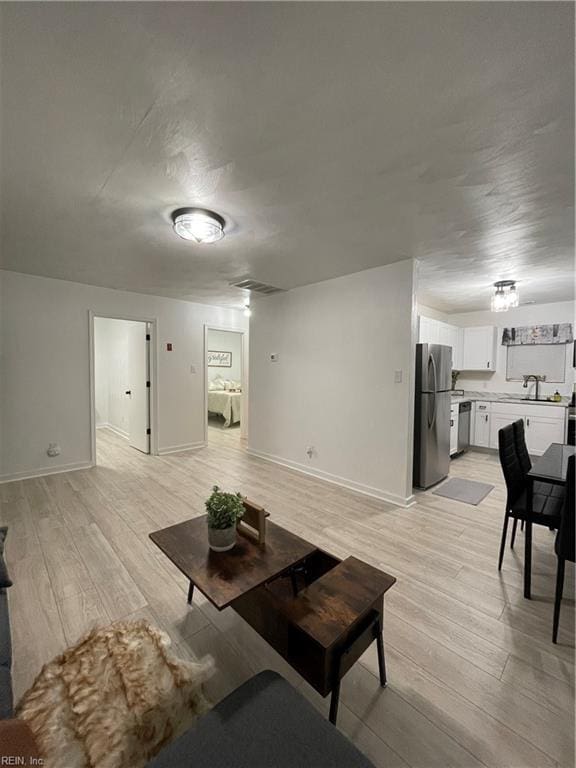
522 525
503 541
558 597
514 524
334 702
527 559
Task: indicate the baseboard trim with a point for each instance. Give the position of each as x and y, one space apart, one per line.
342 482
43 471
179 448
116 430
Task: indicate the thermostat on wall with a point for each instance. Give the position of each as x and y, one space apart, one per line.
274 357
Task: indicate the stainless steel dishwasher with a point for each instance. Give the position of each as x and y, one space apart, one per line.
464 413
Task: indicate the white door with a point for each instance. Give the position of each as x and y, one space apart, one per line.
138 390
541 431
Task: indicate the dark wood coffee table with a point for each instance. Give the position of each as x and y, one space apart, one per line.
224 576
320 613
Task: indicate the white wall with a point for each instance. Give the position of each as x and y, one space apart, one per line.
531 314
101 385
225 341
45 372
111 373
339 343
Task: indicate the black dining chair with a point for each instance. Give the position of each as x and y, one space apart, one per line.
546 489
564 544
545 508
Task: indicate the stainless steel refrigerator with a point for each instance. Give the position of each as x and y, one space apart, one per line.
432 414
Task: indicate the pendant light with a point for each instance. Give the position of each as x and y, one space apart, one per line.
505 296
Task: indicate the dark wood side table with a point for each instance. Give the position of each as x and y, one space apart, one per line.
318 612
551 467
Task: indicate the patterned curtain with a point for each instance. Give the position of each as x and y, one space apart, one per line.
560 333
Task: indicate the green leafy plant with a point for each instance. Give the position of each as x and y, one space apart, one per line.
224 509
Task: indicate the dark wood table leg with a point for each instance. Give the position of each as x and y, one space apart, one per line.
190 593
334 700
380 649
528 539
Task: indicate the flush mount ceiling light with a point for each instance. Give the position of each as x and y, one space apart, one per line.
505 296
198 225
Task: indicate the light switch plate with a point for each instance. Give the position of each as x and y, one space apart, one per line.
397 377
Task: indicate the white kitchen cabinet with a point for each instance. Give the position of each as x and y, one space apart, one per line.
454 411
540 431
450 336
497 421
429 332
481 428
436 332
479 348
543 424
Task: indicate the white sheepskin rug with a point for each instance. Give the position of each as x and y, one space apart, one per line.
114 699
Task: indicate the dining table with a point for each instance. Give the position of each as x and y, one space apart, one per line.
552 468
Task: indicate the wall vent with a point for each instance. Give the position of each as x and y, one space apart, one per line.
255 286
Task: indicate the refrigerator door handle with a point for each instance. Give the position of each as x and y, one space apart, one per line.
435 379
432 414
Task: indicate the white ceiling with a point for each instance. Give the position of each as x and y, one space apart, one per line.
332 137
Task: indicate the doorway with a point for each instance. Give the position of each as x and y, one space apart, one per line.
226 383
121 384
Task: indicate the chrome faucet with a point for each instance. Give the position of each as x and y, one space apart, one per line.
537 379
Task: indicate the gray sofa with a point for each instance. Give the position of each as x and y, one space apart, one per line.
263 724
6 702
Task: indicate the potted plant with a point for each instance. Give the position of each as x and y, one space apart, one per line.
224 510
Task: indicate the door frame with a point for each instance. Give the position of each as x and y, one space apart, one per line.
153 363
244 376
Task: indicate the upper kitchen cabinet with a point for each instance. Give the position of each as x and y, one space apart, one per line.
451 336
436 332
479 348
429 332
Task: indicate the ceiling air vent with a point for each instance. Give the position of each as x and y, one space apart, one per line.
248 284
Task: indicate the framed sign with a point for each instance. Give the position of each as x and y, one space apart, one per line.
219 359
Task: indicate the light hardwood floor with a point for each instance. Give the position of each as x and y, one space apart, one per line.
474 678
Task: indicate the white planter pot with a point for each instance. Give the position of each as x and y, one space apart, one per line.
222 539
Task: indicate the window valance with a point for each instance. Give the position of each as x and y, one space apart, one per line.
560 333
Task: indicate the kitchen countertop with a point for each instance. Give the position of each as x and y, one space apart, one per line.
503 397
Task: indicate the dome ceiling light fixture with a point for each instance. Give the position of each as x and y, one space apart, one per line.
198 225
505 296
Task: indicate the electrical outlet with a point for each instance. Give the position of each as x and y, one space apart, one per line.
53 450
310 450
274 357
397 377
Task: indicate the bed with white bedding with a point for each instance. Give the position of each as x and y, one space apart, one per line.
226 404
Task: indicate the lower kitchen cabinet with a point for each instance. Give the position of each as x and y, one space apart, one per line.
541 431
481 428
454 412
543 424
